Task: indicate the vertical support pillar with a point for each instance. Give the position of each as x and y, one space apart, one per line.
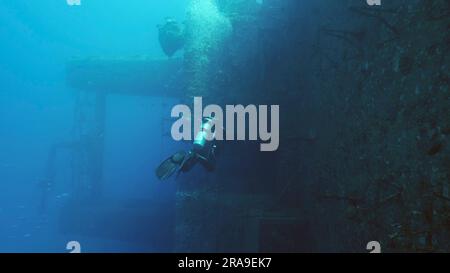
98 144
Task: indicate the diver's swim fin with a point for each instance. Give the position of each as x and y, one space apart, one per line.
169 166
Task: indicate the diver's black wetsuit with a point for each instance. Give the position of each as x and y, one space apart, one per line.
203 152
206 157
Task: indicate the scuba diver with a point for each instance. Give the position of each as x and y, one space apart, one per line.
171 36
203 152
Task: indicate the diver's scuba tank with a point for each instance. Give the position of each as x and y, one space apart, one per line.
201 139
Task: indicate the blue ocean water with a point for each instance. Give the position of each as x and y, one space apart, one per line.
36 113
